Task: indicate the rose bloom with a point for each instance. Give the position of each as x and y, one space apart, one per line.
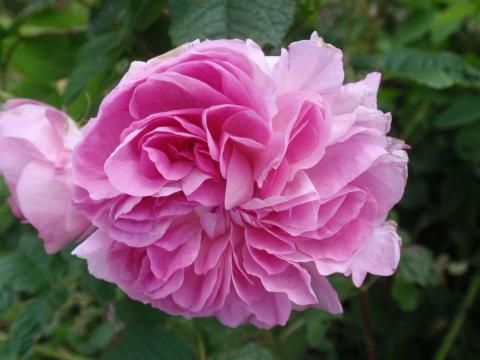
227 183
36 143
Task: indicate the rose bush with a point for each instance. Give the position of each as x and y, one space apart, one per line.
227 183
36 143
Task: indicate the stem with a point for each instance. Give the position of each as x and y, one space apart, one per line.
292 328
83 121
367 326
35 33
202 354
415 121
457 323
56 353
6 61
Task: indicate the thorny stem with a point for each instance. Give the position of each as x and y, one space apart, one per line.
457 323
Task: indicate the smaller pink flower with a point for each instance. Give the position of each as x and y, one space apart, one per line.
36 143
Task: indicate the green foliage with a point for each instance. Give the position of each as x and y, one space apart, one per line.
464 110
266 22
466 143
70 53
417 266
248 352
149 343
405 294
437 70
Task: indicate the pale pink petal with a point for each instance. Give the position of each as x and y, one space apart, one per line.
95 249
379 256
45 200
309 65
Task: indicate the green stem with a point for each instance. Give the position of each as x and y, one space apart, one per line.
292 328
457 323
367 326
6 60
415 121
32 33
56 353
201 352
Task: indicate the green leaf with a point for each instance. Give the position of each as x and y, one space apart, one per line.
6 299
414 27
43 60
96 57
99 337
35 7
449 20
318 324
417 266
46 92
147 343
467 143
33 320
437 70
60 21
26 268
343 286
463 111
251 351
106 15
24 330
405 294
134 312
266 22
102 291
6 216
216 334
5 353
143 13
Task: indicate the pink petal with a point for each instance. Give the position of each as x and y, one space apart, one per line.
239 180
323 74
379 256
58 223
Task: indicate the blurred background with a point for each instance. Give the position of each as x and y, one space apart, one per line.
69 53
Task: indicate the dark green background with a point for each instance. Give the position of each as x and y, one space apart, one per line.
69 53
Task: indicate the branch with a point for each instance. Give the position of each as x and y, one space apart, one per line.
367 326
457 323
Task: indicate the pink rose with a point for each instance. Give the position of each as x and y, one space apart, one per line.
36 143
227 183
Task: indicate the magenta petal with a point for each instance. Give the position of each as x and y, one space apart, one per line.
239 180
